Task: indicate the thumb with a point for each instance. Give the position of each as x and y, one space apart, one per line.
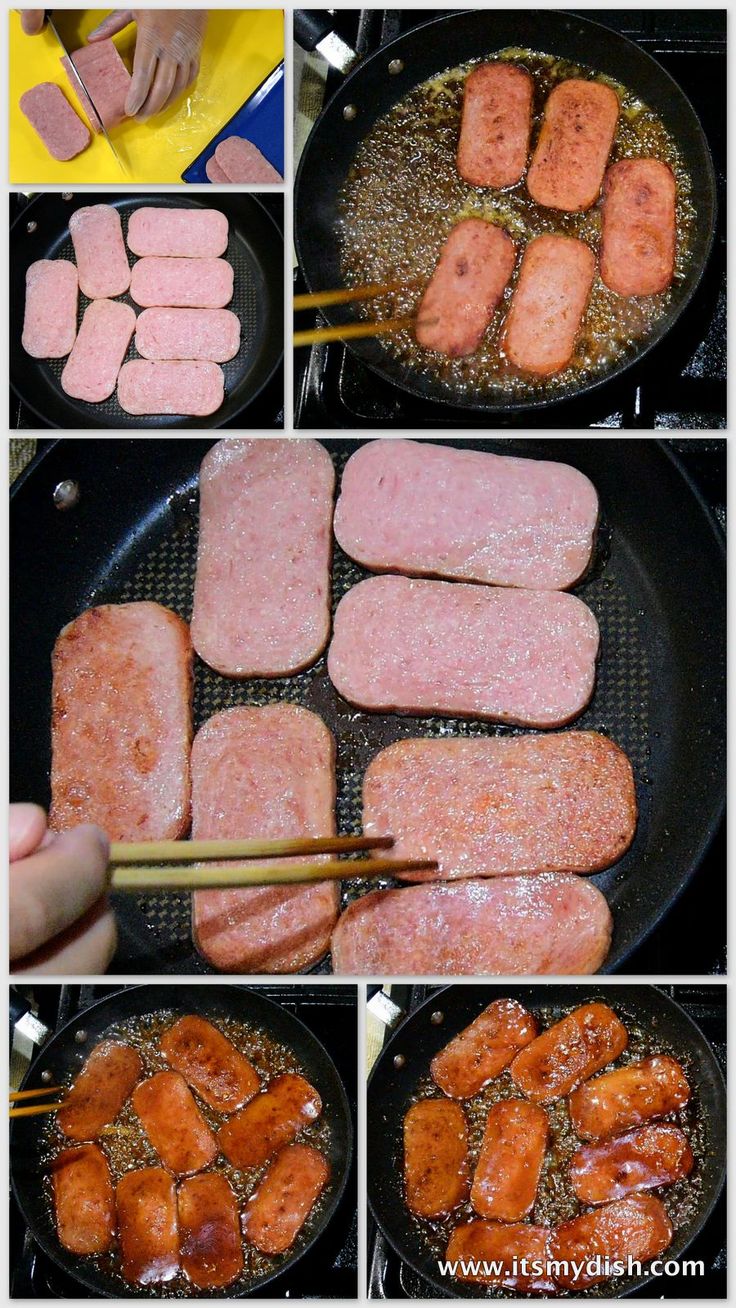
32 20
26 830
115 22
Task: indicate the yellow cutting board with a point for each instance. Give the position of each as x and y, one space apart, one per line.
241 47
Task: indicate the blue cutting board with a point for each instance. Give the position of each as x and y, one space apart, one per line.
260 120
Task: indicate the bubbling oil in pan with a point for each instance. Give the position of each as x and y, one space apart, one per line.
127 1147
403 195
556 1200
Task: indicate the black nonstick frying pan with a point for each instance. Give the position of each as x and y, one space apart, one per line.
405 1060
378 82
657 588
255 249
63 1056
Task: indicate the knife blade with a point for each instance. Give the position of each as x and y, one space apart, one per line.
67 54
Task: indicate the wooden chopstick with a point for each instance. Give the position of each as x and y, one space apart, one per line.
34 1109
352 331
347 294
185 851
15 1095
185 877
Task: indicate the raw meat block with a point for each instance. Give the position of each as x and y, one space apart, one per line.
495 806
262 589
182 283
406 506
242 161
193 388
194 233
215 173
106 78
204 334
439 647
54 121
99 248
512 926
474 267
121 722
92 367
266 772
50 319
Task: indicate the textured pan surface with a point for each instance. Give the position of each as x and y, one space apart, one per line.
656 588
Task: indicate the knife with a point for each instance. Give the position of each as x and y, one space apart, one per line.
80 80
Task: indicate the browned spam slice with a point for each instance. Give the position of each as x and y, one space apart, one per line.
474 267
502 1248
639 1160
637 1227
579 125
436 1167
148 1232
496 122
210 1063
548 304
269 1121
524 926
99 1092
264 772
84 1201
174 1124
209 1231
639 230
486 807
569 1052
121 722
628 1097
277 1211
510 1161
482 1050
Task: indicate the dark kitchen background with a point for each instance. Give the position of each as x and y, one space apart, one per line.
681 385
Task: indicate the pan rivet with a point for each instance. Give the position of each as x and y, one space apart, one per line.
31 227
67 195
437 1018
349 113
46 1077
80 1037
399 1060
396 66
66 495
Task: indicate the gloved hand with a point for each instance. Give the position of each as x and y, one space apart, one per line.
167 48
32 20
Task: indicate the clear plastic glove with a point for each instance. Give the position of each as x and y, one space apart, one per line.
167 48
60 920
32 20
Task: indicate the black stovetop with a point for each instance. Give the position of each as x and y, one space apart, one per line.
681 385
390 1278
330 1269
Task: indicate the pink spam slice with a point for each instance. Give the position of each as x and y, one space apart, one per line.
99 249
54 121
50 321
92 367
106 78
192 389
241 161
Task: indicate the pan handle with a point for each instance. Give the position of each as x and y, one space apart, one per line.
385 1010
313 31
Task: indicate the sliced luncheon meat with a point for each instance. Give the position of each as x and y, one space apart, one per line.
267 772
209 1231
548 304
104 1084
182 283
271 1120
148 1230
207 1060
577 133
106 78
215 173
474 267
91 371
438 647
121 722
204 334
481 1051
510 1160
436 1165
498 805
54 121
640 1160
637 1227
242 161
567 1053
276 1212
50 318
629 1096
84 1201
194 233
498 1253
262 588
102 262
639 230
514 926
496 122
173 1123
191 388
406 506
